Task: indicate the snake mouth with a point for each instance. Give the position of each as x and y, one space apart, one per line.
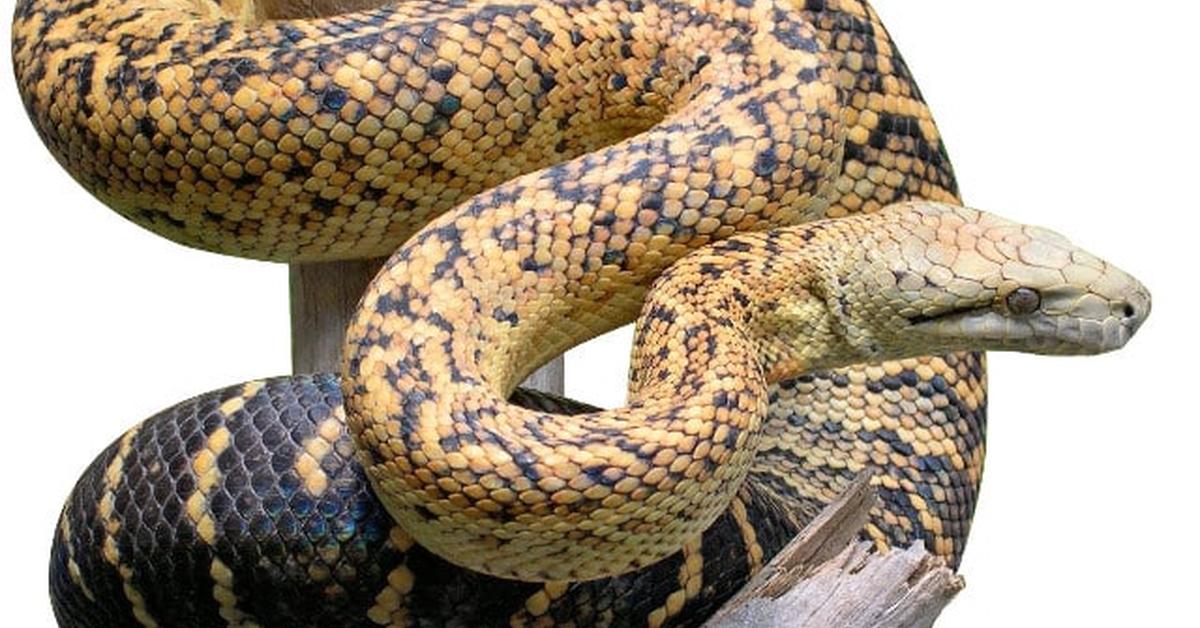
985 328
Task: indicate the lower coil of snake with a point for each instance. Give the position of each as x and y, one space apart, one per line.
260 503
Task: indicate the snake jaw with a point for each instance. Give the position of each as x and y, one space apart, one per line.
1042 334
1069 319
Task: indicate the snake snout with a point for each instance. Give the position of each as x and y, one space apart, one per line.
1131 311
1125 305
1083 317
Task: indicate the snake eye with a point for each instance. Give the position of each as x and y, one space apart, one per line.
1023 301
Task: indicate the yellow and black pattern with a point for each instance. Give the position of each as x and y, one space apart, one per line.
893 150
313 139
537 496
209 514
919 421
279 555
303 140
578 242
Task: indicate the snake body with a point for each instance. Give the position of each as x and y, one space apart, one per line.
260 501
586 146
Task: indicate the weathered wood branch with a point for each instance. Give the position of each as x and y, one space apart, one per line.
823 578
323 297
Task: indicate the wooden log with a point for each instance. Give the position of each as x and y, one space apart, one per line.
323 297
823 578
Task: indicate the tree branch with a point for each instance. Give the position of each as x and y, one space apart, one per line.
825 578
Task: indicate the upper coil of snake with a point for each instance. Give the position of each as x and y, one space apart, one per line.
303 139
657 127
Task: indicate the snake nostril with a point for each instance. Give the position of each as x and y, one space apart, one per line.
1129 310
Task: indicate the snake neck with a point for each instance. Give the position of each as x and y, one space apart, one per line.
539 496
770 302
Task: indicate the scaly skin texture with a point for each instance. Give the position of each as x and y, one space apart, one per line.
529 495
91 89
756 149
305 140
245 506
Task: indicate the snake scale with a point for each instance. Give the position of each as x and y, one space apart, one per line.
580 148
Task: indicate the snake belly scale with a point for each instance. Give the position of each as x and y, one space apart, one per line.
305 188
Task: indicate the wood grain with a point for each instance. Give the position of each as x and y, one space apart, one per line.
824 578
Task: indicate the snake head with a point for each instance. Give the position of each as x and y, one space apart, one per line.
959 278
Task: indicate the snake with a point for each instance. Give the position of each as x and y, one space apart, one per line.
580 148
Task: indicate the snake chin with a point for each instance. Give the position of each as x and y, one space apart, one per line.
1041 333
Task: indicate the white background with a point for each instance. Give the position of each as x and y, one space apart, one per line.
1080 117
